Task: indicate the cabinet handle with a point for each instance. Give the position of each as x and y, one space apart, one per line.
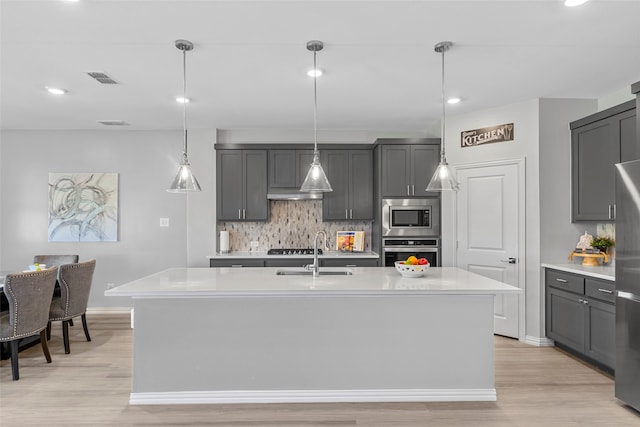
413 190
351 265
614 211
606 291
239 216
580 300
244 214
609 211
350 213
408 193
236 265
346 214
584 301
561 280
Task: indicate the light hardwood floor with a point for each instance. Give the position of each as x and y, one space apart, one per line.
90 387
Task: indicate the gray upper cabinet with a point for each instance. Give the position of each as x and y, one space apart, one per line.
598 142
288 168
241 185
407 169
350 173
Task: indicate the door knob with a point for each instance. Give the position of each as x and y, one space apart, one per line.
510 260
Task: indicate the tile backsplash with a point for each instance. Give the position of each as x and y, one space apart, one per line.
293 224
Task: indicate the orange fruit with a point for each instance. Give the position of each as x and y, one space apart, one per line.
412 260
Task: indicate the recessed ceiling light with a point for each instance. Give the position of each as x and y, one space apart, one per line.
56 90
571 3
314 72
182 100
453 100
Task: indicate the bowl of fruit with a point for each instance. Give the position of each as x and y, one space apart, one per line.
412 267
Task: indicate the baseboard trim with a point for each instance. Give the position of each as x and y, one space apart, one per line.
109 310
313 396
539 341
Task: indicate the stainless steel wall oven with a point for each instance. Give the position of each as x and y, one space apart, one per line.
395 249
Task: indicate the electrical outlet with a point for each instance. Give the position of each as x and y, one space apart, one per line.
164 222
255 244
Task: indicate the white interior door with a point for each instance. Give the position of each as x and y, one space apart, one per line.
488 233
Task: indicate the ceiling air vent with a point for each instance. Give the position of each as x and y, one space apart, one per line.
102 78
113 122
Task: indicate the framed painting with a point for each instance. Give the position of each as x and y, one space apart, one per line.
83 207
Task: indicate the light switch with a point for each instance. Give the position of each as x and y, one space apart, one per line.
164 222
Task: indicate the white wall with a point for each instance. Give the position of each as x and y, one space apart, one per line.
541 137
146 162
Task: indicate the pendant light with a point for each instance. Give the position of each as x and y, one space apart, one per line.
316 180
184 180
443 179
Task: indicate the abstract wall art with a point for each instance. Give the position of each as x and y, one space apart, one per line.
83 207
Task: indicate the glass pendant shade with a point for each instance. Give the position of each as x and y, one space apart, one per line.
184 180
443 179
316 180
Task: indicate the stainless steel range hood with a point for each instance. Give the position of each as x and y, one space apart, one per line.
292 194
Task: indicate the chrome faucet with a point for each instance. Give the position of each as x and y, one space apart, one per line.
316 265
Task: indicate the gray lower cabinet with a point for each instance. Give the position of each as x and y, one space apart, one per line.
580 315
598 142
293 262
236 263
355 262
406 169
241 185
350 173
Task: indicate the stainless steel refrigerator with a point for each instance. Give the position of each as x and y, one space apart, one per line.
628 283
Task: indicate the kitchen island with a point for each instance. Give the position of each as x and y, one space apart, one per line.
248 335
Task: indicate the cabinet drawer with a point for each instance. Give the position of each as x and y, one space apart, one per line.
236 263
358 262
567 281
600 289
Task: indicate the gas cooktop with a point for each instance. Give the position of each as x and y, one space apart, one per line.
304 251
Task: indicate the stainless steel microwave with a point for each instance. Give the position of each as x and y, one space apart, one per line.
411 217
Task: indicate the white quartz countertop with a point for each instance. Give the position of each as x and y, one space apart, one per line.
220 282
605 272
263 254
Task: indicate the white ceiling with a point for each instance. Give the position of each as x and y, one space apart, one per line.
248 68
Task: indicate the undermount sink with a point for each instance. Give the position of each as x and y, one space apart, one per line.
310 273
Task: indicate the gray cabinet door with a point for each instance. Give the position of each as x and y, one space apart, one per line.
282 168
629 143
256 205
396 170
565 318
600 321
350 173
229 184
303 161
361 188
335 205
288 167
424 161
594 151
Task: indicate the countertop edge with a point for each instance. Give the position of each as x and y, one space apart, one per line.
599 272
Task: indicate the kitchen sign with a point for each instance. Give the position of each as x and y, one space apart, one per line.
499 133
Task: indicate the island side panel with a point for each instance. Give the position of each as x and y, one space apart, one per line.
432 347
